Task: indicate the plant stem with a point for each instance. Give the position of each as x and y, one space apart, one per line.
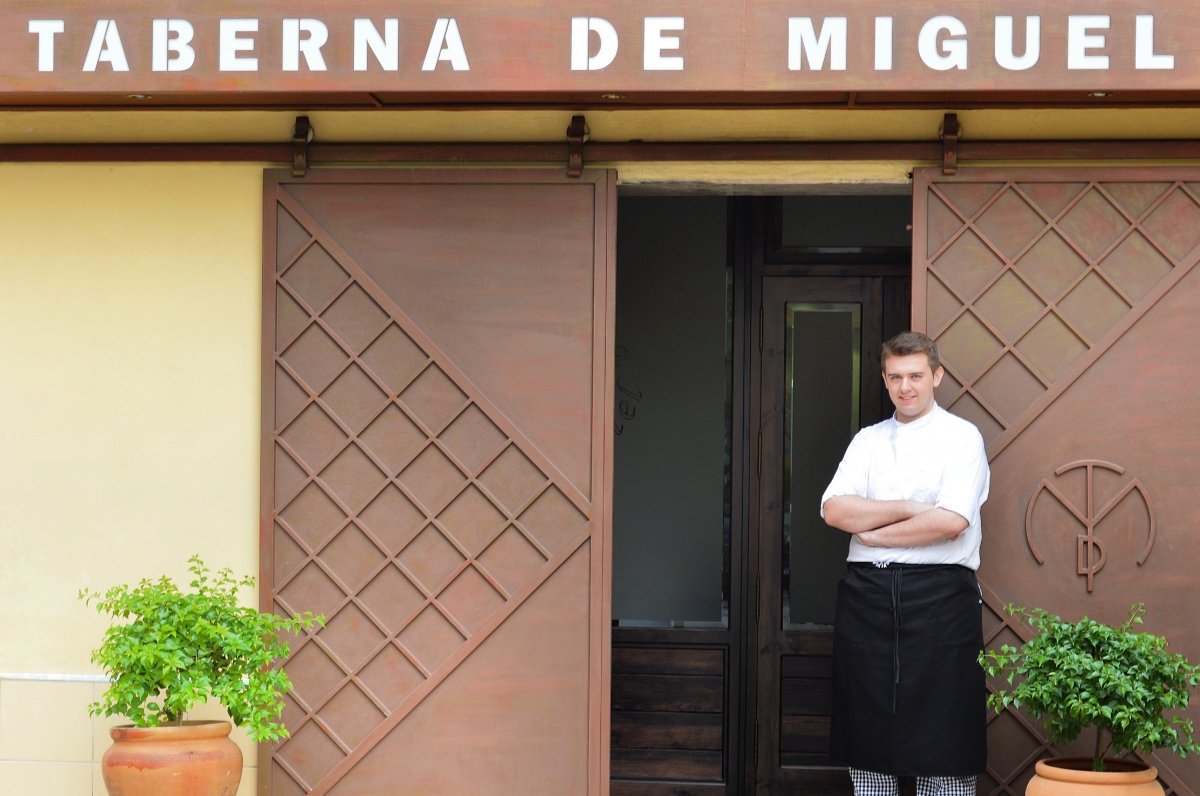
1098 753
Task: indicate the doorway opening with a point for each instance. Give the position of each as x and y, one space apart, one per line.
747 339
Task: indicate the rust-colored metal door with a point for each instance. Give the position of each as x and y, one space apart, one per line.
436 478
1064 304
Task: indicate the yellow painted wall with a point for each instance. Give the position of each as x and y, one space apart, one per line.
129 416
129 359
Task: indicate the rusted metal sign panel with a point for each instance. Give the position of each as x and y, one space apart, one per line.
602 46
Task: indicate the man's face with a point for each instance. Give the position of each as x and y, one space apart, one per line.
910 384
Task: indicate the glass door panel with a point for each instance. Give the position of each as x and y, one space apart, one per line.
821 409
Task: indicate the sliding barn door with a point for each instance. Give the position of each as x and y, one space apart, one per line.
1064 302
437 476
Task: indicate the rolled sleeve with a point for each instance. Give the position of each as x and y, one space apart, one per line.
851 476
966 480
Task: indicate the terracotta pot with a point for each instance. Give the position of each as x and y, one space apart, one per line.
1073 776
193 759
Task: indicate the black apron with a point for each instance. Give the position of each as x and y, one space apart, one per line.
908 692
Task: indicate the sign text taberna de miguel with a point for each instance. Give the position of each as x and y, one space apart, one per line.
754 45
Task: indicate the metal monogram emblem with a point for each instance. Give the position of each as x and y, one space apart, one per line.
1089 550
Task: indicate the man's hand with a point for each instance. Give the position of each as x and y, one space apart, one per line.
929 527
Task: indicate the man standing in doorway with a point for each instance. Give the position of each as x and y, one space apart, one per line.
909 694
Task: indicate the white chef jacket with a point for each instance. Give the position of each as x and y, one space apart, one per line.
938 458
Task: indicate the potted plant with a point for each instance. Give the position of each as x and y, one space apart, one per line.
172 650
1123 684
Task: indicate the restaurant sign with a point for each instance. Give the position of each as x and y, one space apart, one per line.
686 46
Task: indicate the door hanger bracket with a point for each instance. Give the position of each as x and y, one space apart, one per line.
577 135
302 136
949 134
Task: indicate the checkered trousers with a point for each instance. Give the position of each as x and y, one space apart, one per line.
870 783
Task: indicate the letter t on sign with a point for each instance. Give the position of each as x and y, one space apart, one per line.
45 30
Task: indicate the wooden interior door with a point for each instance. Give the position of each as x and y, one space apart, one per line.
436 478
819 375
1063 301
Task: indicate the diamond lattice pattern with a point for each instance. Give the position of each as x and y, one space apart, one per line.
1024 279
406 514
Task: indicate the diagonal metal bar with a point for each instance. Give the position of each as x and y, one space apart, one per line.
928 184
464 650
464 382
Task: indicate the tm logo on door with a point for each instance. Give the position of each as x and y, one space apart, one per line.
1103 491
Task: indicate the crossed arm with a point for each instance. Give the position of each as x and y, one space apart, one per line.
893 523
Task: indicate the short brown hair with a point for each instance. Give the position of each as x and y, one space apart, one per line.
908 343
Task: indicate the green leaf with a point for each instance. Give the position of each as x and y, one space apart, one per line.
173 650
1078 675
